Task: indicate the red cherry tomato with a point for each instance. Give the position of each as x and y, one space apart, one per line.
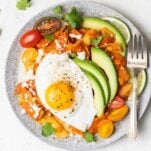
30 38
116 103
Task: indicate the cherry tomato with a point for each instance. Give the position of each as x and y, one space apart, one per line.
30 38
29 58
116 103
47 25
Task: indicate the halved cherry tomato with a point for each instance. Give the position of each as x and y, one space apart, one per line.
29 58
116 103
105 128
118 114
47 25
30 38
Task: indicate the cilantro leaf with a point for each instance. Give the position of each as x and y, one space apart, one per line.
96 41
50 37
23 4
74 18
72 55
89 137
58 10
47 130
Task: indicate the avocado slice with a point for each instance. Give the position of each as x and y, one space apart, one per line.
98 93
98 73
97 24
102 59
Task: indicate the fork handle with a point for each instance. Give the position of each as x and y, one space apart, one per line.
132 134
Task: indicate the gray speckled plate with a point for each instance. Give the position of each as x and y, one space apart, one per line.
72 143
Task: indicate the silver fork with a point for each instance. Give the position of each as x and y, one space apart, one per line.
137 59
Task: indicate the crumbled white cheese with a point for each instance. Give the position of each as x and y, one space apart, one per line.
30 83
32 91
36 110
24 85
75 36
71 134
26 96
81 55
23 111
40 55
58 44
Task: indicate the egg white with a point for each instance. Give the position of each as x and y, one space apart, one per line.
56 67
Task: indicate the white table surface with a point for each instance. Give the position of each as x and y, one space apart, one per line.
13 135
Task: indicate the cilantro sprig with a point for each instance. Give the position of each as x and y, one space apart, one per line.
47 130
58 10
89 137
23 4
50 37
95 42
74 18
72 55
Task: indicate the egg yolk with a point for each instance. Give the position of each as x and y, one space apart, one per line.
60 95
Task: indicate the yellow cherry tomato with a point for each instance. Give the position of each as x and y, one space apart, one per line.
118 114
62 134
29 57
105 128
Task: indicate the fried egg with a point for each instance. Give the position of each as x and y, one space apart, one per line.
65 91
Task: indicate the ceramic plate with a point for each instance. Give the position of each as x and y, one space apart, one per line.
72 143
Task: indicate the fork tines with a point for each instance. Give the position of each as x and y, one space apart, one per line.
137 53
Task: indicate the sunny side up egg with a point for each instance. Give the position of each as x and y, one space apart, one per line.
65 90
